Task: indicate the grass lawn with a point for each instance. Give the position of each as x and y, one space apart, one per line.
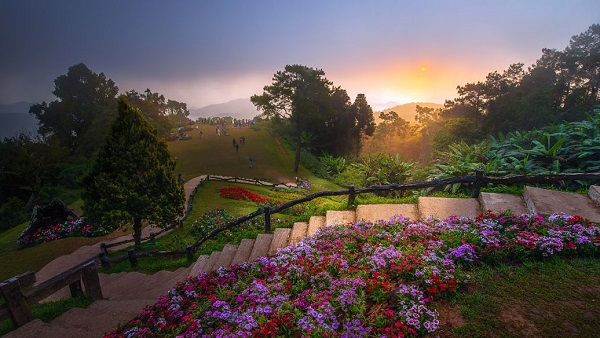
215 155
15 261
555 298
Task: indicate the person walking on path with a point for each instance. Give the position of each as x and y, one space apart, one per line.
250 161
237 147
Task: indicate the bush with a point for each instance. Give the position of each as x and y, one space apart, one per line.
12 213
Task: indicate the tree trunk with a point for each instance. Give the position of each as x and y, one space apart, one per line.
298 149
137 231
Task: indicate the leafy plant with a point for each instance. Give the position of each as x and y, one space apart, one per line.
383 169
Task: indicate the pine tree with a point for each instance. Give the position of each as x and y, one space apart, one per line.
132 177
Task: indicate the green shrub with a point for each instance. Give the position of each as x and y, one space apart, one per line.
12 213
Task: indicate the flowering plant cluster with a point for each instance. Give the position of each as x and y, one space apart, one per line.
211 220
241 194
70 228
356 280
217 218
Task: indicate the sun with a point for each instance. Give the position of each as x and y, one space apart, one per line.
422 69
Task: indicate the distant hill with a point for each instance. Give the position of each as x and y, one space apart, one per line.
15 119
407 111
240 108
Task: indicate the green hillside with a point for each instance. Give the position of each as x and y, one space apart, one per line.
214 154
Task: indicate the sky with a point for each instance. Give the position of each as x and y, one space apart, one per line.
210 52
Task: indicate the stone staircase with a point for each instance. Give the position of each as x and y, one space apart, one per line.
534 200
127 293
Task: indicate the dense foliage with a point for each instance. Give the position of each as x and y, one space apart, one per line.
132 178
358 280
316 115
564 148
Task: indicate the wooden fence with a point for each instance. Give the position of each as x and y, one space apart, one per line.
18 298
476 182
152 236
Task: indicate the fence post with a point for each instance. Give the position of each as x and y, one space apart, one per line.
477 184
132 258
189 254
76 289
103 249
267 219
17 305
351 195
104 259
91 282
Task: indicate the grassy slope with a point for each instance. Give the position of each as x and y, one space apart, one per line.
216 155
210 155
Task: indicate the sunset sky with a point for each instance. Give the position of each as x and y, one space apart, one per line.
208 52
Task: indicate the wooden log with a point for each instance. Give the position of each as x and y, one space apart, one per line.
75 289
16 303
91 281
52 285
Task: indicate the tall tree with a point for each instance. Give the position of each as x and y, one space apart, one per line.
297 94
132 177
154 108
83 111
177 112
364 123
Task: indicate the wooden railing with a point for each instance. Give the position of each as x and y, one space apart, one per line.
18 298
152 236
476 182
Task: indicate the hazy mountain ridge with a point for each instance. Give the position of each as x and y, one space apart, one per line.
15 119
407 111
240 108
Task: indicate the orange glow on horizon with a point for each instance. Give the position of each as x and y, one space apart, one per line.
410 80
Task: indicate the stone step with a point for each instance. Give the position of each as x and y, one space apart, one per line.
243 252
212 260
315 223
280 240
261 246
384 212
167 282
544 201
119 289
444 207
199 265
298 232
496 203
336 217
226 256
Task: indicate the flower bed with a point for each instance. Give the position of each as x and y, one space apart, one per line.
241 194
71 228
357 280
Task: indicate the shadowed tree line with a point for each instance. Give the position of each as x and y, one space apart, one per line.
35 169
